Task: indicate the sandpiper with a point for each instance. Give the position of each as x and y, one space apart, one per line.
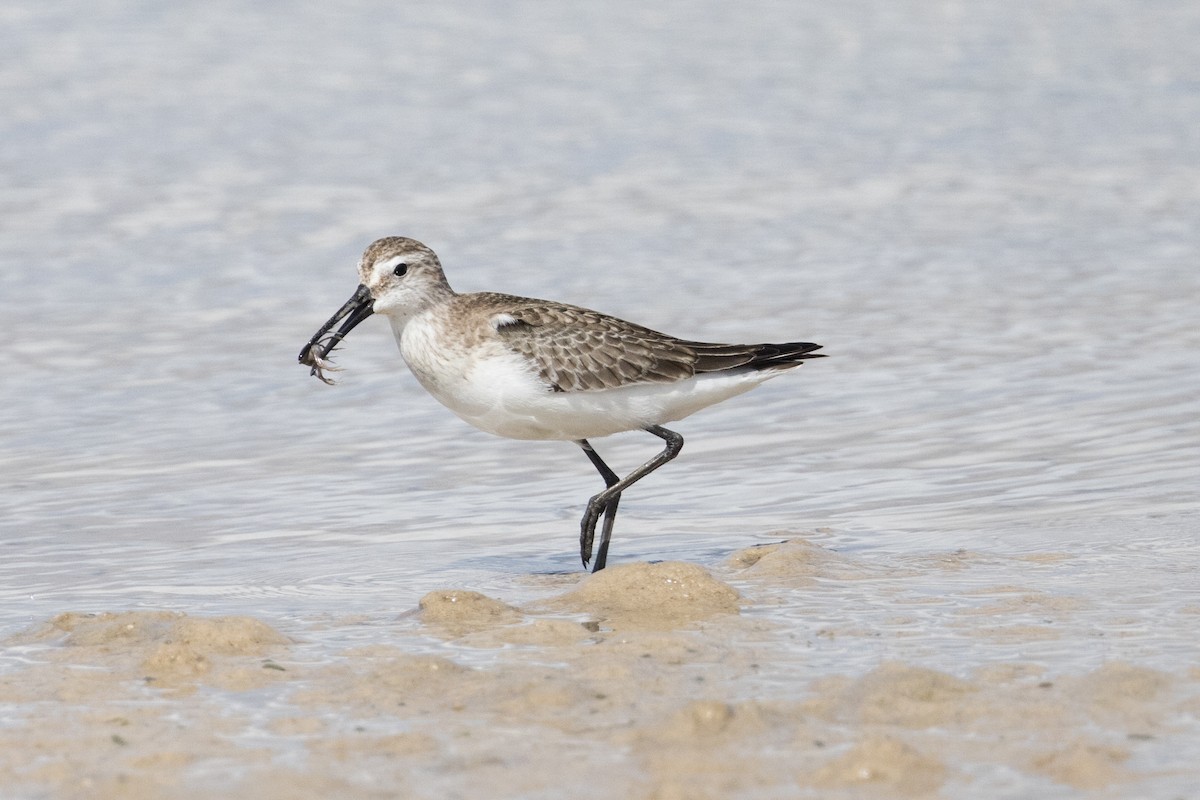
537 369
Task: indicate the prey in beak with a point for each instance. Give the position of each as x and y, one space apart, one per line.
316 353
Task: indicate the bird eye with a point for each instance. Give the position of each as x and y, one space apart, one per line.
400 269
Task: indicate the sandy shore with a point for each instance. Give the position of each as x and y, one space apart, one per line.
646 680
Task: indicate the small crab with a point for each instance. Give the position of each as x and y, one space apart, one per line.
316 353
314 356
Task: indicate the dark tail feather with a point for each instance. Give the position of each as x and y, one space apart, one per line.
718 357
778 355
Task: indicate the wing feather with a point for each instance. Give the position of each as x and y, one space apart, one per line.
579 350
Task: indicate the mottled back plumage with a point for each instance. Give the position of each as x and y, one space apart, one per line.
579 350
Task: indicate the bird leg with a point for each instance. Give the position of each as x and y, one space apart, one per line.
610 510
607 500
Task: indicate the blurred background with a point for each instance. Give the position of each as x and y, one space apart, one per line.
986 213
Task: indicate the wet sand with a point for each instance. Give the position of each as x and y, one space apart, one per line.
661 680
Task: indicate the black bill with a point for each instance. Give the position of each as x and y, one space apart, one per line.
354 311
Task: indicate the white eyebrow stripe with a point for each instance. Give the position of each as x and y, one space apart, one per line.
390 264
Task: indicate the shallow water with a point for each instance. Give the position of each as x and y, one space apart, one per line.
986 215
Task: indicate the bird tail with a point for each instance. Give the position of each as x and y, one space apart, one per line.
721 357
789 354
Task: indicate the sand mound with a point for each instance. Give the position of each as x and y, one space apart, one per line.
385 680
651 596
901 695
886 765
162 648
796 562
459 611
1123 694
1083 765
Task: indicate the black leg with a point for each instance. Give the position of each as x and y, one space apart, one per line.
607 500
610 511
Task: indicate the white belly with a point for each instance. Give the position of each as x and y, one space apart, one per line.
500 392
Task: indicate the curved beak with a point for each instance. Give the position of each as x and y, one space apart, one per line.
360 306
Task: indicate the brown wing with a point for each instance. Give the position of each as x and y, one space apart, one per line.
577 350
